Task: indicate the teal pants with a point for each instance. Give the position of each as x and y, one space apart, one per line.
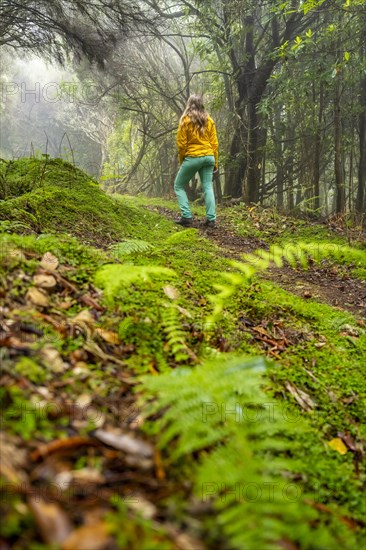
189 167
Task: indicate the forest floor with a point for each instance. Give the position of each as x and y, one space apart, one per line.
327 283
156 395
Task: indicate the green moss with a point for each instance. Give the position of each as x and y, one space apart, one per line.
324 358
54 196
359 273
31 370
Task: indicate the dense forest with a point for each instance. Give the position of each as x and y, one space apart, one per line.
286 83
169 385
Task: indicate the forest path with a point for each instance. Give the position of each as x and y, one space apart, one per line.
327 283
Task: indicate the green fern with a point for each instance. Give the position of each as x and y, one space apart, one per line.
212 382
261 260
112 277
130 246
244 449
175 336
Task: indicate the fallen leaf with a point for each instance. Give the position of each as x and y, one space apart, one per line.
66 304
89 475
83 316
52 522
124 442
108 336
139 462
49 262
261 330
171 292
143 507
88 537
52 359
348 440
37 297
89 301
320 344
337 445
301 397
83 400
45 281
184 312
13 460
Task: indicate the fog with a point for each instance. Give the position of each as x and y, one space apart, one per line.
42 113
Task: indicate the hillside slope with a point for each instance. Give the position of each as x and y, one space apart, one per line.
158 392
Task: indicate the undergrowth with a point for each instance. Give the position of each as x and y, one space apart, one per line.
232 435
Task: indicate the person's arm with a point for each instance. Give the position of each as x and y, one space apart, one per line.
182 141
214 144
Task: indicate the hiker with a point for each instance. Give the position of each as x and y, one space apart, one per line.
197 152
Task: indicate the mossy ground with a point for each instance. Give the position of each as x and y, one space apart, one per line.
161 319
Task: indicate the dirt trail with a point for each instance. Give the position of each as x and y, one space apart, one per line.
323 283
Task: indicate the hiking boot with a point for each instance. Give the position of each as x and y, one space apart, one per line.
209 223
186 222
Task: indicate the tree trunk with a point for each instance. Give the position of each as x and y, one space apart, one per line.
278 156
254 156
317 151
338 156
361 199
236 167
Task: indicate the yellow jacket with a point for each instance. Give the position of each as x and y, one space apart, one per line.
192 143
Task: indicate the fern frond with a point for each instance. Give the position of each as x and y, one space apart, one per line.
219 411
244 448
201 392
294 254
130 246
175 336
112 277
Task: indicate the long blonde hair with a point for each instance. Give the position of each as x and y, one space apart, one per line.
195 110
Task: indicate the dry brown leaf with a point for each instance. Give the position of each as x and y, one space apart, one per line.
88 537
184 312
88 475
320 344
52 359
66 304
143 507
124 442
171 292
37 297
108 336
301 397
337 445
349 441
261 330
83 317
83 400
45 281
49 261
89 301
13 460
52 522
139 462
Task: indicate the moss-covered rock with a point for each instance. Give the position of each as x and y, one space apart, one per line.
51 195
